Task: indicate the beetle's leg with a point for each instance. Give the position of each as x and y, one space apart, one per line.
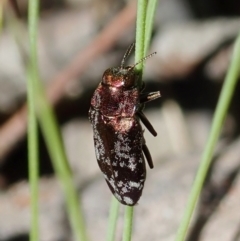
146 122
147 154
142 87
146 97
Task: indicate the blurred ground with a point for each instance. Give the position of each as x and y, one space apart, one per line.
78 40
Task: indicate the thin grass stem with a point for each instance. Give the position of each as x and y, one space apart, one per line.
143 34
33 161
128 222
112 220
151 9
218 119
140 36
52 134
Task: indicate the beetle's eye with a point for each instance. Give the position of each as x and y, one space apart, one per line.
130 80
107 79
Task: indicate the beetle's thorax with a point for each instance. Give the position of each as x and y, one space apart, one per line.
117 94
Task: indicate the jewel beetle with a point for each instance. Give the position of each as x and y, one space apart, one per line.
115 114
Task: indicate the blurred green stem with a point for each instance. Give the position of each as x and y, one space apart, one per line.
128 219
145 15
151 9
52 134
112 220
218 119
140 36
32 74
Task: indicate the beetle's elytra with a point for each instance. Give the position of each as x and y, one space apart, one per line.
115 114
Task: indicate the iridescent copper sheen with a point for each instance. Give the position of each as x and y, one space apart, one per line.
115 114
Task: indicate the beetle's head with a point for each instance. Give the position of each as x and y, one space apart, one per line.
125 77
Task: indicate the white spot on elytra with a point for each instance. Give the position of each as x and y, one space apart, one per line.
132 164
99 147
128 200
121 164
134 184
120 184
118 196
111 181
107 161
124 190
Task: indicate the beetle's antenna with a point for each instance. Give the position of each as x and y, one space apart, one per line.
129 50
143 59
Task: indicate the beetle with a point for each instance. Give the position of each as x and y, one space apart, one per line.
115 114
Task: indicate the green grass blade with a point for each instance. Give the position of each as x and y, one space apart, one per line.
143 36
151 9
51 132
139 54
128 219
218 119
57 153
1 14
33 161
140 34
112 220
